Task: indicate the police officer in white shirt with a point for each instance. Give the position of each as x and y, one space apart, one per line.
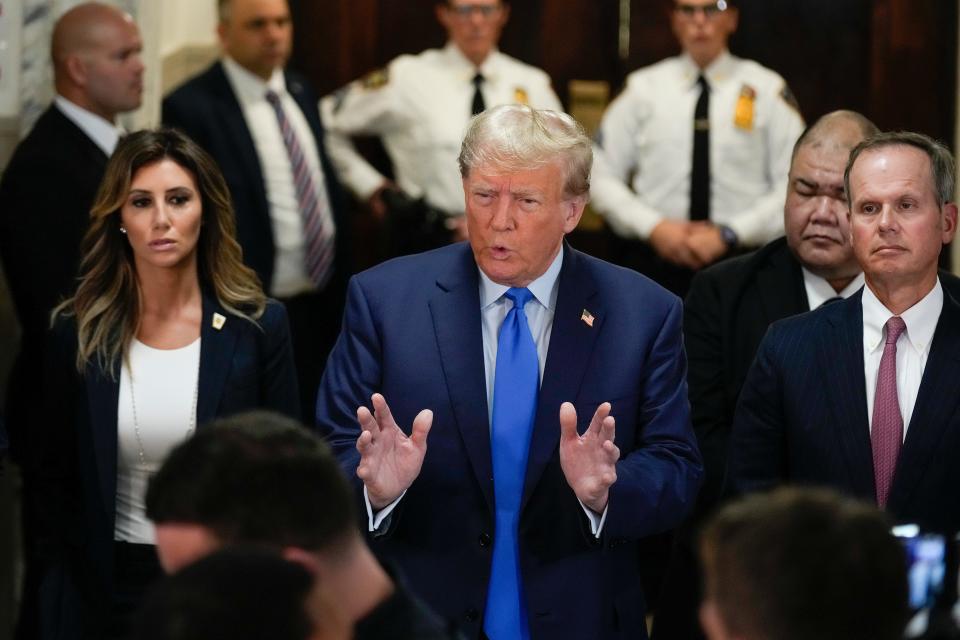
706 138
420 105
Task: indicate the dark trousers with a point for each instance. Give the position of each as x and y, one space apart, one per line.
136 569
314 325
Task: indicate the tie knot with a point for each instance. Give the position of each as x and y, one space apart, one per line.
272 97
478 80
895 326
702 81
519 296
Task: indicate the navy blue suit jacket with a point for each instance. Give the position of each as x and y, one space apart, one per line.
802 416
207 110
412 331
242 366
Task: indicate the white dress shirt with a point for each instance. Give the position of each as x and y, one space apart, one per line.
913 347
647 133
420 108
104 133
289 272
819 290
494 307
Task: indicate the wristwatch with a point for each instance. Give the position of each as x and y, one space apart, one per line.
729 235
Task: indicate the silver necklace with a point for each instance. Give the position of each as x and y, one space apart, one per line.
136 424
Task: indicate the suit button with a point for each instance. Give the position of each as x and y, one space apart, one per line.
485 540
472 615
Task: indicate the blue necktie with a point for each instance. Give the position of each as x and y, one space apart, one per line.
515 387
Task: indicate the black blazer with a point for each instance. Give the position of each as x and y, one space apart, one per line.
802 416
242 366
45 199
727 311
207 110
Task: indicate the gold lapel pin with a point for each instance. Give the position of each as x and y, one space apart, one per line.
218 321
587 318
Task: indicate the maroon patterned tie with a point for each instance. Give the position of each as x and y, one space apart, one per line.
314 208
886 434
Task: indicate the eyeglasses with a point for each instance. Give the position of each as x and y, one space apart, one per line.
709 11
467 10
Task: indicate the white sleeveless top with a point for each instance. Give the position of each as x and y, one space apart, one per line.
156 410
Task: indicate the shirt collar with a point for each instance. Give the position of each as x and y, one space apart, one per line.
717 71
104 133
544 288
819 290
921 319
461 64
250 87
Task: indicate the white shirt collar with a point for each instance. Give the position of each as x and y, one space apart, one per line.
544 288
921 319
466 67
104 134
819 290
250 87
716 71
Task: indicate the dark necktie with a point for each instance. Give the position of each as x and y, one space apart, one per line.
515 389
700 172
478 104
886 434
318 230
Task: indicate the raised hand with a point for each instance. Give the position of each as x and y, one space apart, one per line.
589 462
389 459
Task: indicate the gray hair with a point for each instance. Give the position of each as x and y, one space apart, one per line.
519 138
941 160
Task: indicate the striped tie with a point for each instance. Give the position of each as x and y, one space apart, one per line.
318 229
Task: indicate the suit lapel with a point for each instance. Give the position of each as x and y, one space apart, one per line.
571 343
233 120
455 309
777 300
216 357
103 396
840 350
937 401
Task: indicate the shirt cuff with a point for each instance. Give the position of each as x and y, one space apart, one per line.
374 520
596 520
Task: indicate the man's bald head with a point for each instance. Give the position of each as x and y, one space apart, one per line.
814 215
96 59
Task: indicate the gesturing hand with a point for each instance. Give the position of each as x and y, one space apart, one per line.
589 461
389 460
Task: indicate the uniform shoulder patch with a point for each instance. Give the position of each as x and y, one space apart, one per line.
789 98
520 96
375 79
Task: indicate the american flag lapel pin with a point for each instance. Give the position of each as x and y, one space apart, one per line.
587 318
218 321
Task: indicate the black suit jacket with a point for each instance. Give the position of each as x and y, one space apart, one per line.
45 199
726 314
242 366
802 416
206 109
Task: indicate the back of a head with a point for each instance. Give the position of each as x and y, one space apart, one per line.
240 594
256 478
796 564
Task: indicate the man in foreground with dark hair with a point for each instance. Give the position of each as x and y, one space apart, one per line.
797 564
240 594
260 479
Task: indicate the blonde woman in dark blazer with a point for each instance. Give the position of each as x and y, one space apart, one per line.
167 330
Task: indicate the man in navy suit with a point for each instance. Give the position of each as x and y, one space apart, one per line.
262 126
598 450
861 395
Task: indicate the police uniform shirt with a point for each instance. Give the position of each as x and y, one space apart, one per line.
420 106
647 133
